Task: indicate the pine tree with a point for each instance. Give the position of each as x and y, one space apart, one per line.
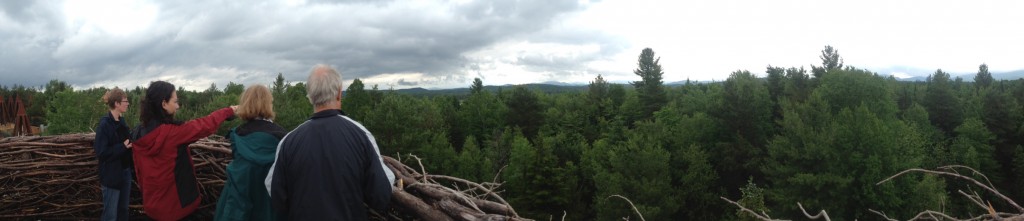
538 184
234 88
1018 171
650 90
524 111
943 105
775 78
830 60
482 115
983 79
836 162
597 91
797 86
853 87
473 164
637 168
356 101
278 86
477 87
746 108
972 148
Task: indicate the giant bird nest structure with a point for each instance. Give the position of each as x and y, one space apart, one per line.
54 177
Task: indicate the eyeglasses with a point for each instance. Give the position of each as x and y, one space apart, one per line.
124 101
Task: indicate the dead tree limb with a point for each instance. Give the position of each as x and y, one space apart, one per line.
630 205
972 180
821 214
761 216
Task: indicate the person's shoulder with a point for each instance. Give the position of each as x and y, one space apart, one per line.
275 130
349 122
303 129
270 128
274 126
106 121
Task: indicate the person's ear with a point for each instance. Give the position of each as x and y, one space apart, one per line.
338 98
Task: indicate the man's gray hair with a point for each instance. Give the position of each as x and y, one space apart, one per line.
323 85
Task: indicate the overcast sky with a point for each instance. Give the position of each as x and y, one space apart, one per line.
445 44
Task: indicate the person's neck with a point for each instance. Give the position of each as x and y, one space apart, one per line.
116 114
318 109
331 106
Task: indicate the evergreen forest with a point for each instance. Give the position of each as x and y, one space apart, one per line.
822 137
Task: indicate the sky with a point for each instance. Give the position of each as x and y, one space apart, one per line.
445 44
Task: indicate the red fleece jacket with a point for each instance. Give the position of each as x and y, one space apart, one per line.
163 164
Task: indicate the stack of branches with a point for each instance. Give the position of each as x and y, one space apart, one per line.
423 195
953 171
54 177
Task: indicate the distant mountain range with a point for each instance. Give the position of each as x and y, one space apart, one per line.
912 74
904 74
547 87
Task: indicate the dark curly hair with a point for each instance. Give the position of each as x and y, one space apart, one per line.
152 104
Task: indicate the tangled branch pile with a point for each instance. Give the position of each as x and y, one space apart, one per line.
953 171
54 177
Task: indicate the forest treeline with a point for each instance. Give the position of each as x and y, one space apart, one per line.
821 137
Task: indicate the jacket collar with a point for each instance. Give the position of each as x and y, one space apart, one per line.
327 113
110 117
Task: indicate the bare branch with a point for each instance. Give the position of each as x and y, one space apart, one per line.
976 182
744 209
495 180
422 168
486 190
974 199
631 205
819 215
883 215
973 171
932 215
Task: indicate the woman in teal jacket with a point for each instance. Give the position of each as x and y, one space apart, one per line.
253 145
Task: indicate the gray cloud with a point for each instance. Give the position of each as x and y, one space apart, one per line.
406 83
194 41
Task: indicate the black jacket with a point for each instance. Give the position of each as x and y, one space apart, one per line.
112 155
326 169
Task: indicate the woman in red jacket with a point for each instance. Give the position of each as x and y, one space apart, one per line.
166 174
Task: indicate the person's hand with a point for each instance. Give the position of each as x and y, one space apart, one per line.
234 107
127 145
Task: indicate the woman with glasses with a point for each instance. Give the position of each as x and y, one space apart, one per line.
113 153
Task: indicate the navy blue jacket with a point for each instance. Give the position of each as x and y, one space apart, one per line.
111 152
326 169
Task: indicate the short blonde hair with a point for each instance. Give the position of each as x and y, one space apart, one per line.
256 102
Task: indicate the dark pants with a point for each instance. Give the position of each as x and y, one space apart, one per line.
115 201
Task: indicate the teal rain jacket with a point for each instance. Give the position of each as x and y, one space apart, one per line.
244 196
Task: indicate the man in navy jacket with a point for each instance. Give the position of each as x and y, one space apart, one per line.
330 166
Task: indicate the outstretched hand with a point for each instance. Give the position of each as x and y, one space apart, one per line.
234 108
127 145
